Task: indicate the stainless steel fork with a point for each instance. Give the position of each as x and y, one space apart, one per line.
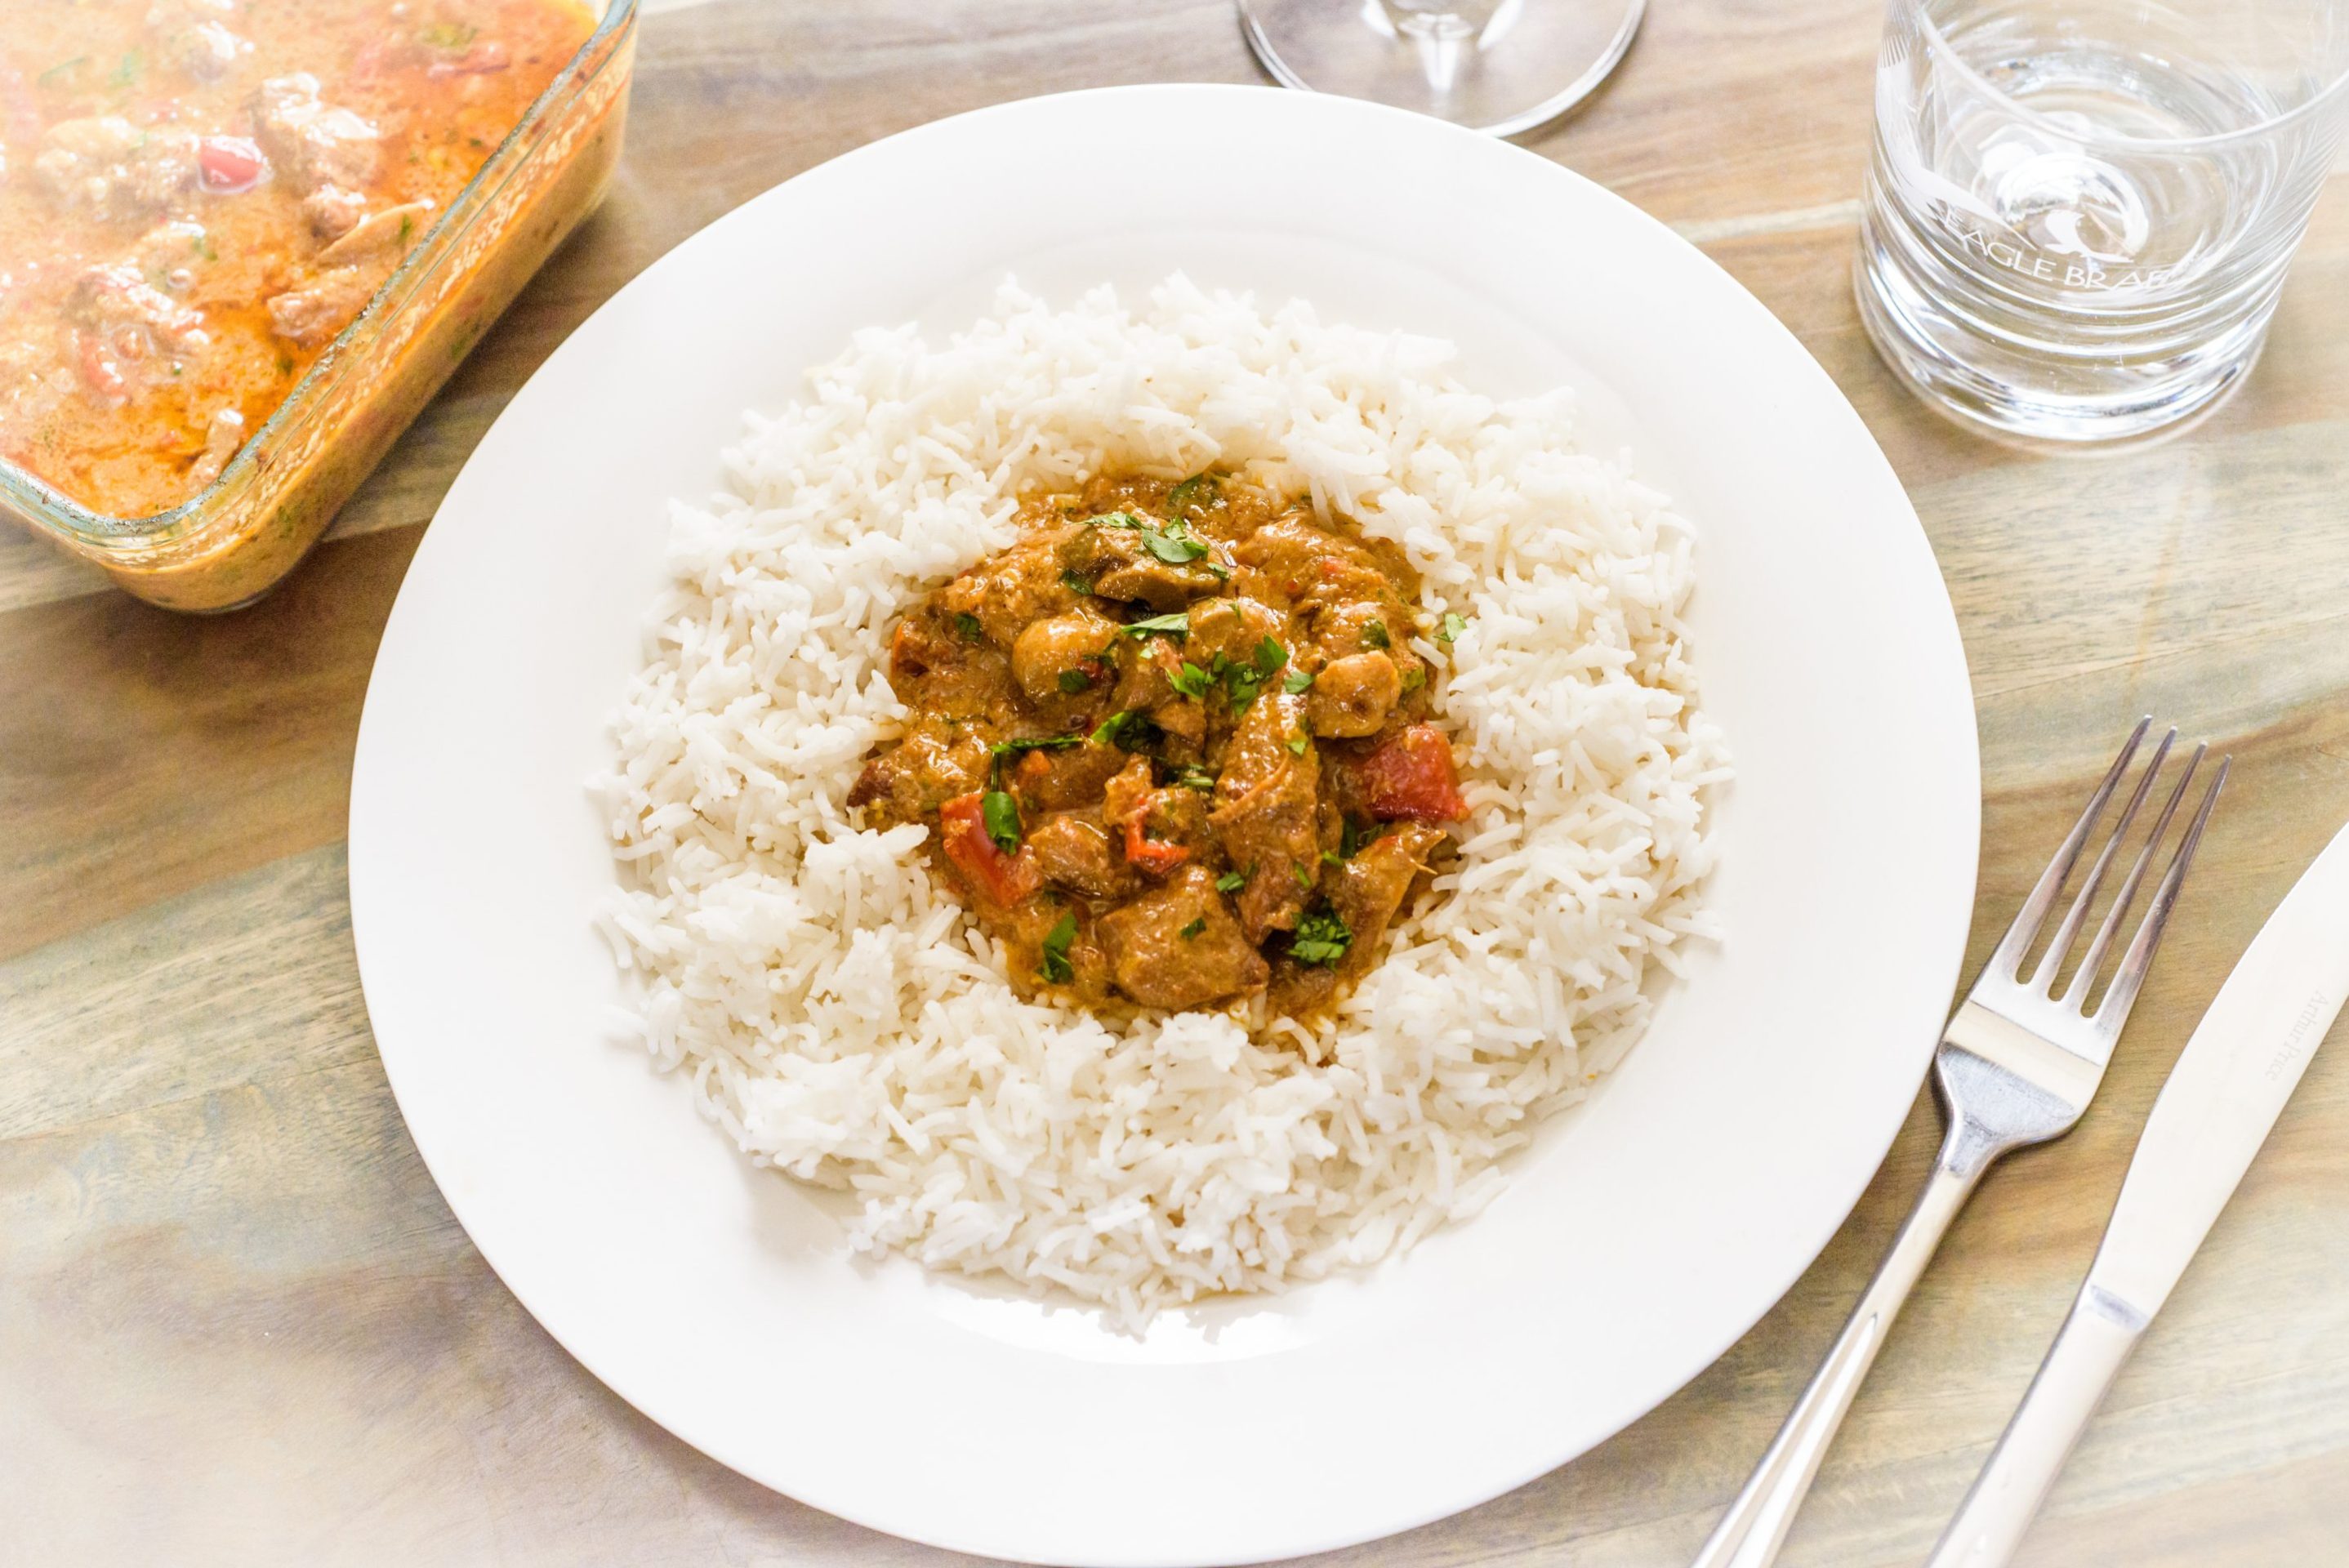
2017 1065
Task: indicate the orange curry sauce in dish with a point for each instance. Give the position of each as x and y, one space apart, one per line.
196 196
1174 747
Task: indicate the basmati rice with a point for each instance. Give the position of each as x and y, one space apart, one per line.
845 1023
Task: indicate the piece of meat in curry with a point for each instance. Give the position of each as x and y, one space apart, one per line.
1173 747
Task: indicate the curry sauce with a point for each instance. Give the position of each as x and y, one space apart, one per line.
1173 747
197 195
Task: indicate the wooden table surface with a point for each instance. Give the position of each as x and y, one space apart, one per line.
237 1325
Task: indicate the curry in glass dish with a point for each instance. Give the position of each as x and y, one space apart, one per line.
1173 747
199 197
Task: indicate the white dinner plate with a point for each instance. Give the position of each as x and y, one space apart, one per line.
1642 1234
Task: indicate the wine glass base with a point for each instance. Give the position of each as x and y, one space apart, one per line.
1532 62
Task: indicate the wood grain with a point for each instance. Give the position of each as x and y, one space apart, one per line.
149 752
238 1326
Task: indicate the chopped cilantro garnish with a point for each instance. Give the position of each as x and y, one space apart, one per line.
1174 544
1003 748
967 625
1001 812
1297 745
125 69
1375 636
1195 778
1230 881
1304 877
1177 625
1074 583
1075 681
1127 728
1040 743
1330 858
61 68
1321 938
1192 930
1118 520
1295 681
1191 680
1454 623
1413 678
1188 492
1057 970
1242 683
1353 837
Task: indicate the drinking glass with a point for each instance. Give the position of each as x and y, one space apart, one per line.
2079 212
1497 65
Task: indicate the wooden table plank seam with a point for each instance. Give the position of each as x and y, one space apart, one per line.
238 1324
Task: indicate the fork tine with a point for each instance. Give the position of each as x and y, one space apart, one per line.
2007 960
2077 993
2113 1012
2052 960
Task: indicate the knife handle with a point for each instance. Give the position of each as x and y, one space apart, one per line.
2097 1339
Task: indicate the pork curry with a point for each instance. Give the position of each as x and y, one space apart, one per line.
1173 747
197 195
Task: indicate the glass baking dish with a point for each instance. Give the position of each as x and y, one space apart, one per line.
233 540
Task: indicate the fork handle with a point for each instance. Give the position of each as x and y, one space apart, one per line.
1750 1533
2081 1365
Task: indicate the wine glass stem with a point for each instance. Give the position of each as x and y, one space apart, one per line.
1441 35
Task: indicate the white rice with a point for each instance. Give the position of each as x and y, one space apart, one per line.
844 1021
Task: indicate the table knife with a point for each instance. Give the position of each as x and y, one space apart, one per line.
2214 1113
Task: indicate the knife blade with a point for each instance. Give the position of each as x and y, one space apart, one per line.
2214 1111
2229 1086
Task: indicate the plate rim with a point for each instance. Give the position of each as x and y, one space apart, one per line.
721 1446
